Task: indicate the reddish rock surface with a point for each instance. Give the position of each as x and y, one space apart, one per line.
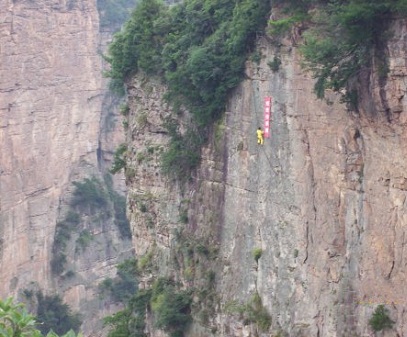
324 200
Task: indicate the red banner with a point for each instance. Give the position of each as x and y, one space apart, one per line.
267 116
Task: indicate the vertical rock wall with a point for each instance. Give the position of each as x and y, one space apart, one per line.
53 132
50 107
324 200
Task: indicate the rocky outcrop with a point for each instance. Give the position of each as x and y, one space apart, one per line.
51 102
322 202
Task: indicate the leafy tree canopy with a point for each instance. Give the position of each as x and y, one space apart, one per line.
380 319
345 38
15 321
170 308
54 315
198 48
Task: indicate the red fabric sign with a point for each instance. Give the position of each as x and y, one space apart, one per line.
267 116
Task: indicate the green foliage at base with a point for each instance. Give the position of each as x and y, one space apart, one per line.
169 306
380 319
130 322
54 315
346 38
15 321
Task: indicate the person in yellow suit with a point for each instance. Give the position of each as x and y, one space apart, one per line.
260 136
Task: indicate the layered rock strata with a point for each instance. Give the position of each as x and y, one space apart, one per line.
323 200
52 133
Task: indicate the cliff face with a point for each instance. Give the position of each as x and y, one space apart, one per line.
324 200
51 102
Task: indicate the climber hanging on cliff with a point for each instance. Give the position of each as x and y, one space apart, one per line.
260 136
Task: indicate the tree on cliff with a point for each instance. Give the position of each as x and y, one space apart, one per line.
198 48
15 321
54 315
343 40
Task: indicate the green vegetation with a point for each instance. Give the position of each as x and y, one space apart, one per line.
346 39
256 57
380 319
145 261
183 153
251 312
165 301
183 216
119 209
135 43
281 27
89 194
198 48
142 119
28 294
83 241
54 315
63 234
194 253
124 286
143 208
140 157
257 252
119 159
15 321
121 221
170 308
90 197
130 322
124 109
195 259
274 64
